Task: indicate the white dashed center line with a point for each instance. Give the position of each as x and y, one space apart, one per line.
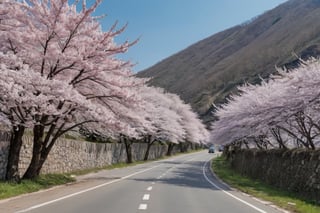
143 206
146 197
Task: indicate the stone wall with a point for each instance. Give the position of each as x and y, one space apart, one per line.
297 171
4 148
71 155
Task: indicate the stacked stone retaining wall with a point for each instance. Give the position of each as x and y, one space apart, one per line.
4 148
297 171
71 155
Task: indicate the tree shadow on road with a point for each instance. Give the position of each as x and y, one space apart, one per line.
189 174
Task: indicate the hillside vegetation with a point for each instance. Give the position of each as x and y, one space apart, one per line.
208 71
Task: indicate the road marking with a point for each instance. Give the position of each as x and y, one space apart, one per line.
153 183
231 195
143 206
149 188
146 197
98 186
86 190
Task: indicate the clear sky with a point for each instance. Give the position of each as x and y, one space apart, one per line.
166 27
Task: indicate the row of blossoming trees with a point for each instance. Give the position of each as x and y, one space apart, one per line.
59 72
283 112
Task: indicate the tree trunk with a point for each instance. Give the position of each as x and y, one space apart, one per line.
35 166
33 169
170 148
147 140
43 145
12 173
277 135
128 146
41 150
146 155
183 147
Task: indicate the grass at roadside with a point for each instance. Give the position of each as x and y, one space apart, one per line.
8 189
285 200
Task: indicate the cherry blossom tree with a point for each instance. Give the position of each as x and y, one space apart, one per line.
173 120
59 43
32 101
196 132
285 106
163 119
136 124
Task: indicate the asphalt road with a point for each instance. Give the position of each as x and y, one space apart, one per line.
179 184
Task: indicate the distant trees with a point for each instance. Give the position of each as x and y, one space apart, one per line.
171 119
60 72
282 112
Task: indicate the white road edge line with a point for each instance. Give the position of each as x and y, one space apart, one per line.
231 195
86 190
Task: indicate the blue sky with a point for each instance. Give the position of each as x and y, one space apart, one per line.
166 27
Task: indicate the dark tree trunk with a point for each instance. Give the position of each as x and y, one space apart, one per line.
42 144
12 173
299 141
41 150
149 142
33 169
35 166
128 146
277 135
170 148
146 155
183 147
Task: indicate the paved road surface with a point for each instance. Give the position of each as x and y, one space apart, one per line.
179 184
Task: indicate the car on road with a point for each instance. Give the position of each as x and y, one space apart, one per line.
211 149
221 148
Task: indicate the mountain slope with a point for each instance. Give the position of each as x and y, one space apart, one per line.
209 70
